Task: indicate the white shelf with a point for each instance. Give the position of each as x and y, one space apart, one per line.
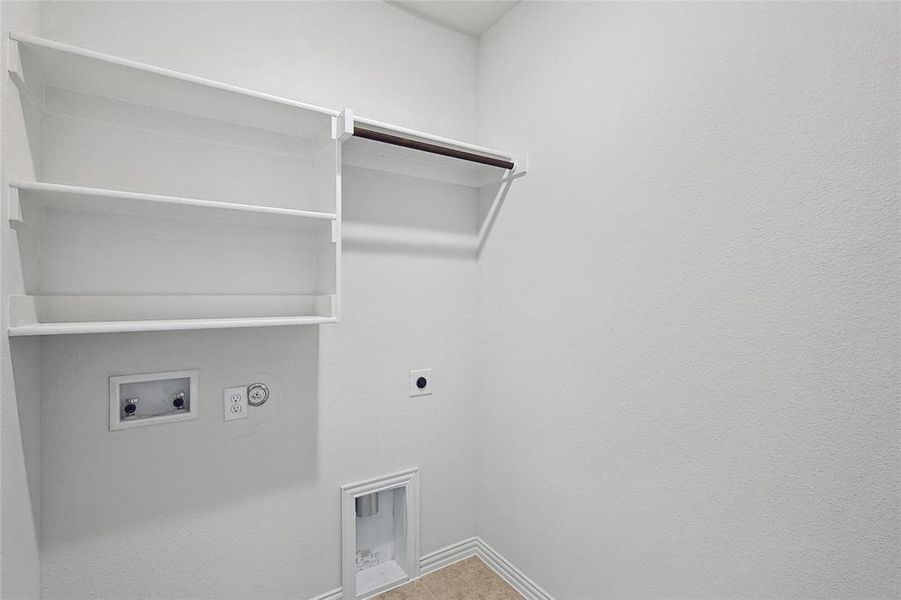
196 150
195 249
63 314
377 156
431 138
70 197
46 62
166 325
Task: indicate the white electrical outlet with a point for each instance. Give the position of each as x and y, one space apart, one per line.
234 403
421 382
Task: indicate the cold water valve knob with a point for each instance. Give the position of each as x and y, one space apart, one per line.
131 406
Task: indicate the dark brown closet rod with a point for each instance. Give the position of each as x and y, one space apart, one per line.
396 140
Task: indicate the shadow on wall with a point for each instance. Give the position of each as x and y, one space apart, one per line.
399 214
25 357
31 115
95 480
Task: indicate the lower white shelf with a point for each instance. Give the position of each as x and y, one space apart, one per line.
62 314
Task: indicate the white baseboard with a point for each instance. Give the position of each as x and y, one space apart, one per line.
509 573
473 546
334 594
448 555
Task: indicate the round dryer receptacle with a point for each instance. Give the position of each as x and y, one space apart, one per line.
257 394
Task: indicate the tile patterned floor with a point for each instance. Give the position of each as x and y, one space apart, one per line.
469 579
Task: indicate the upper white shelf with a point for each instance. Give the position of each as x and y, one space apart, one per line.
422 136
39 62
46 62
378 156
70 197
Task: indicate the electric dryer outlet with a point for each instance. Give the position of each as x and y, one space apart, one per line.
421 383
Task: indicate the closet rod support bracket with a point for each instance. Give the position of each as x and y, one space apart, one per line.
344 125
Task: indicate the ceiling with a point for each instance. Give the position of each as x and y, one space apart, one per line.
471 17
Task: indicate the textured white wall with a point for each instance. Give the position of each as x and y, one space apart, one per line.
690 307
250 509
20 417
688 310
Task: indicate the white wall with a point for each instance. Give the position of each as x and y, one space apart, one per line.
20 417
687 318
250 509
689 308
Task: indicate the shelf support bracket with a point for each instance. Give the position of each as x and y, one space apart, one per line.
16 70
14 60
522 165
491 217
344 125
15 208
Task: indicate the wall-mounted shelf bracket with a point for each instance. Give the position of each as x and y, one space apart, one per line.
16 69
14 59
344 125
15 208
521 163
